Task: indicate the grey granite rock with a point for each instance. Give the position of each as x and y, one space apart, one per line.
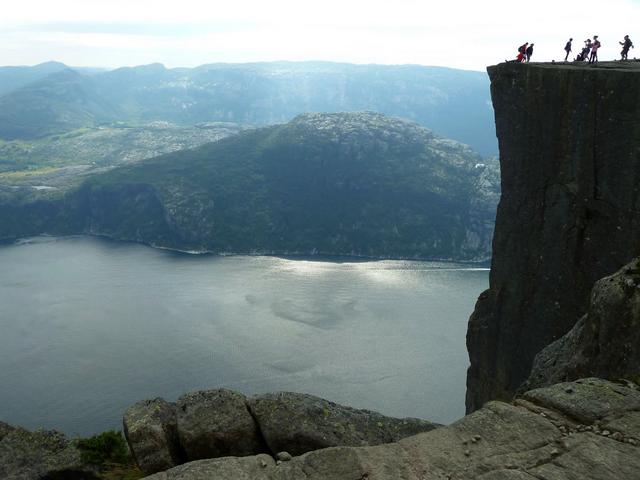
236 468
5 429
216 423
604 343
587 400
520 441
299 423
38 455
151 429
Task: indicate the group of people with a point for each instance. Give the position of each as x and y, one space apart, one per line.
525 52
588 53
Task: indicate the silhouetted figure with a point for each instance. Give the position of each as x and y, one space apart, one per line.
594 50
567 48
584 54
529 52
522 52
626 45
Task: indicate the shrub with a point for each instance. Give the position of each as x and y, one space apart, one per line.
107 447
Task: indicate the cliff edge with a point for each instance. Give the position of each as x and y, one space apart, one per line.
569 138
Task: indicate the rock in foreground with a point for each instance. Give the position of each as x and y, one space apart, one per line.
300 423
219 423
556 433
26 455
151 426
604 343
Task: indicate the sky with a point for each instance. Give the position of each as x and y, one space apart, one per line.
460 34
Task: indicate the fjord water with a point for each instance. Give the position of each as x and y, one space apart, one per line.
90 326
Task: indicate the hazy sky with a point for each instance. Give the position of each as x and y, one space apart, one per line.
463 34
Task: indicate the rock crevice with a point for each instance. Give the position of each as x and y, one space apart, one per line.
220 423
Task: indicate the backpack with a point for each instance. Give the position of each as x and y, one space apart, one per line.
521 49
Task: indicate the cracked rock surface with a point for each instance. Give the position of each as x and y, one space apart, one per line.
221 423
583 430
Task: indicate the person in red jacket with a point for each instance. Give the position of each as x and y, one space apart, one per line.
522 52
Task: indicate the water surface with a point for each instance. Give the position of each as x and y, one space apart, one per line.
89 326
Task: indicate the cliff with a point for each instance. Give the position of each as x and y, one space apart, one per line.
569 140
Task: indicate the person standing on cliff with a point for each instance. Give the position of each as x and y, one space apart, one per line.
567 48
522 52
529 52
594 50
626 45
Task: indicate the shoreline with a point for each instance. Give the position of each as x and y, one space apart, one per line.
484 264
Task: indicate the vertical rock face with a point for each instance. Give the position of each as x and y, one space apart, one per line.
569 214
604 343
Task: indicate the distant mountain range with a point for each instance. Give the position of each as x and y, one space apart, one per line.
348 184
52 98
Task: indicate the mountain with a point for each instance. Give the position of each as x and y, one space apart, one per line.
452 103
346 184
63 101
12 78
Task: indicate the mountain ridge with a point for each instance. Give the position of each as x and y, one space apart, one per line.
453 103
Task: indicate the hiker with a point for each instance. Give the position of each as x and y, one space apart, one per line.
529 52
594 50
584 54
626 45
567 48
522 52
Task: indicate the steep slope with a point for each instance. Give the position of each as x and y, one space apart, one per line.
349 184
569 139
453 103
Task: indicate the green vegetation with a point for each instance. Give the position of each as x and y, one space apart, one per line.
107 447
345 184
109 452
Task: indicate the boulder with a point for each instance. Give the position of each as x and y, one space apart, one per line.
587 400
217 423
38 455
5 429
549 434
604 343
151 429
299 423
